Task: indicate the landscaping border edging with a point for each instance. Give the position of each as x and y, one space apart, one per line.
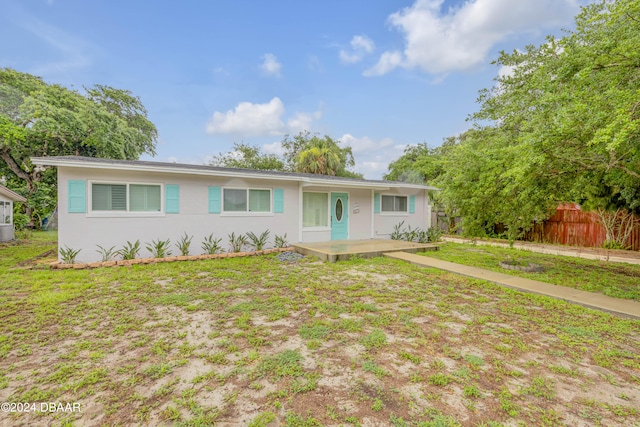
82 266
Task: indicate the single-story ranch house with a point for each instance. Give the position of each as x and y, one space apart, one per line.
7 198
109 202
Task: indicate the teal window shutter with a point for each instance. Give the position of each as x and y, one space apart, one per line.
172 198
412 204
376 202
77 196
214 199
278 200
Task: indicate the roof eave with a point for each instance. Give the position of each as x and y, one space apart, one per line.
47 161
52 161
11 194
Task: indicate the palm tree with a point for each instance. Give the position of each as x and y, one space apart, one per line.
321 159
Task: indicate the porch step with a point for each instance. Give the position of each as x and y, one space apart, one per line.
341 250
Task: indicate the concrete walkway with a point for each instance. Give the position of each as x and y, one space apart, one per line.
572 251
601 302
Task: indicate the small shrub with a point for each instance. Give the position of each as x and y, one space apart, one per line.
159 248
183 244
130 250
434 234
397 232
410 235
210 245
258 242
236 243
106 254
69 255
422 236
281 241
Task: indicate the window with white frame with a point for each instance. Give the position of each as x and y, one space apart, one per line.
315 209
246 200
5 212
394 203
111 197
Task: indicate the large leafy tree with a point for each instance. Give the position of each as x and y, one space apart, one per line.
562 125
41 119
573 106
246 156
419 164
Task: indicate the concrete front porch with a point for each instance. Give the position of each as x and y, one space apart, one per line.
340 250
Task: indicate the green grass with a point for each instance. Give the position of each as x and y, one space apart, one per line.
16 252
613 279
258 342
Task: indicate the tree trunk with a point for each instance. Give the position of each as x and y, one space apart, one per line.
29 177
618 226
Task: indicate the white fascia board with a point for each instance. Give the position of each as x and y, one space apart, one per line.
40 161
306 181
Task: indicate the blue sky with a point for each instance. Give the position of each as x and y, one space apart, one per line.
378 75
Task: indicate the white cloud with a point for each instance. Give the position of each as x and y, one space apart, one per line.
270 66
461 38
365 144
360 46
388 61
302 121
372 156
249 119
273 148
372 169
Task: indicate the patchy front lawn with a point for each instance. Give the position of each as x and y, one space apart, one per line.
614 279
252 341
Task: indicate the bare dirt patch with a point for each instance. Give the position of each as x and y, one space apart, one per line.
364 342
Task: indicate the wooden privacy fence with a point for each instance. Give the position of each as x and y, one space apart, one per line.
572 226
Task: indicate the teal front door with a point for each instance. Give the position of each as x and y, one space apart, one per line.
339 216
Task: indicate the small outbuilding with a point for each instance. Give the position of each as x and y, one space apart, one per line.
7 199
